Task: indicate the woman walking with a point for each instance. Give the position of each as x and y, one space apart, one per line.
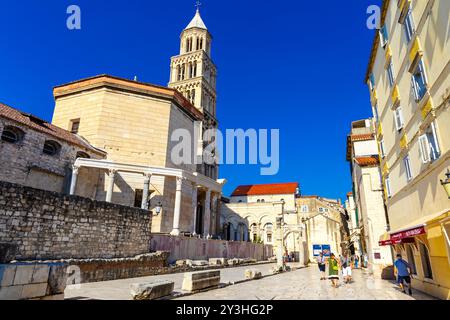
321 263
333 270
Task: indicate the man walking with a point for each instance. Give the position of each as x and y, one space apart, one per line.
321 263
403 270
346 268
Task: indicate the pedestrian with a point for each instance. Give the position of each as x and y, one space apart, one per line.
403 270
346 268
356 261
333 270
321 263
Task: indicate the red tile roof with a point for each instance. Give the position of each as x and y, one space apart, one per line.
350 194
367 161
265 189
43 126
362 137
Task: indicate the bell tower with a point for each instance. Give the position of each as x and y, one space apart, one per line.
193 74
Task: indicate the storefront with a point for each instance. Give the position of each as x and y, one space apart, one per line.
425 244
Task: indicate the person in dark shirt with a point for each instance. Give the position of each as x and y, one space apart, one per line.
321 263
403 273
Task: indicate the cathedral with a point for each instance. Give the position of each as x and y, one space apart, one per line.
115 138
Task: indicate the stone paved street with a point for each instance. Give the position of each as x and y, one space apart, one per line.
304 284
120 289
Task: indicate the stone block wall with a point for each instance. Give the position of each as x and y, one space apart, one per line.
33 281
48 226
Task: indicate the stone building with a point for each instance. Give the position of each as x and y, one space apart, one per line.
138 125
372 222
37 154
323 225
409 83
252 212
354 223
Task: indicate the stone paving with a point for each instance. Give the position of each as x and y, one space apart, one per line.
305 284
120 289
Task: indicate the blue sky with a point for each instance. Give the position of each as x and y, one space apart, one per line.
297 66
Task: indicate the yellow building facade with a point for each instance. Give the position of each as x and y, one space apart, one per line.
408 79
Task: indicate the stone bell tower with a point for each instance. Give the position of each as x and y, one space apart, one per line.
193 74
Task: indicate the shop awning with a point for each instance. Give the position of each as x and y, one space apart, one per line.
385 240
408 232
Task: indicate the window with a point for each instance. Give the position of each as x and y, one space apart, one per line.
390 73
382 150
410 257
407 163
51 148
138 195
258 201
376 114
74 126
387 183
263 201
179 73
304 208
408 24
426 263
321 210
83 155
372 81
429 146
269 238
195 69
419 81
398 118
384 36
12 134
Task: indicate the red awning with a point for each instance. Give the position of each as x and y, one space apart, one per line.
417 231
394 242
399 237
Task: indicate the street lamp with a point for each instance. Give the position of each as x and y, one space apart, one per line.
158 208
446 183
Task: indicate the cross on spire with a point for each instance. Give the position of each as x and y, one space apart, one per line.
198 4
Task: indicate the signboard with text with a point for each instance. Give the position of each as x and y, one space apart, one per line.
318 248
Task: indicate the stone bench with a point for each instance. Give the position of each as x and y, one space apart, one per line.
252 274
217 262
196 281
152 290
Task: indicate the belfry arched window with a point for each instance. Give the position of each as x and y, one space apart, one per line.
179 73
194 69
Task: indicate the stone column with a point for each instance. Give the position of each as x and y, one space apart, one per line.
146 192
207 217
110 190
177 211
194 206
214 214
73 182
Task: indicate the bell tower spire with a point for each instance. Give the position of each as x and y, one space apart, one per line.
193 73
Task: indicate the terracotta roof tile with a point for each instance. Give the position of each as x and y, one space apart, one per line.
367 161
362 137
264 189
43 126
